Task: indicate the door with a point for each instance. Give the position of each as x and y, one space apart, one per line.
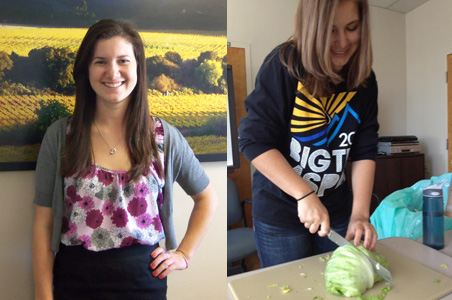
242 175
449 111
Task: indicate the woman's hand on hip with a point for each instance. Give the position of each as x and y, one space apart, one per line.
167 261
313 214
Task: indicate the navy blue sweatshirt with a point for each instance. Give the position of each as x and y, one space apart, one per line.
316 136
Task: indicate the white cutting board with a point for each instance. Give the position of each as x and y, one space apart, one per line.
306 280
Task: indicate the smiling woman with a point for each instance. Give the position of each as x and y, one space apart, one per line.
113 70
104 209
313 108
345 36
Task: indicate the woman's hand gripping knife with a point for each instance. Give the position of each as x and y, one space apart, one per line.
311 211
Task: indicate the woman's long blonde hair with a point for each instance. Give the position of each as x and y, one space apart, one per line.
310 46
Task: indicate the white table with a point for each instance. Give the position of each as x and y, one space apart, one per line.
417 251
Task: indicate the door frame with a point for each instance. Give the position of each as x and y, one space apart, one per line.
449 111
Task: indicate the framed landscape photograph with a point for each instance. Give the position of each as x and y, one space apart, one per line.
185 44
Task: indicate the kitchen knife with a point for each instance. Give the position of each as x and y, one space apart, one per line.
379 269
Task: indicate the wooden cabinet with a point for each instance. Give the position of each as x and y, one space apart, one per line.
394 172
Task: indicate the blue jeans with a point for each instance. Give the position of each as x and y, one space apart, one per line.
276 245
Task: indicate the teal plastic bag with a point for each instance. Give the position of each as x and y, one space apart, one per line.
400 213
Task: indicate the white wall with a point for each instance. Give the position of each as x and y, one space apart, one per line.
16 221
263 24
206 277
388 43
429 41
204 280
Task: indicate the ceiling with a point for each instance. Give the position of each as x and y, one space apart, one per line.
402 6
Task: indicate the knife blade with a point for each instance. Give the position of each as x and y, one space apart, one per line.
378 268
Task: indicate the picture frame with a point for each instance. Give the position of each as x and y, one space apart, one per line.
176 43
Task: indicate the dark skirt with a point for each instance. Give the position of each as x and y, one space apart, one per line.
123 273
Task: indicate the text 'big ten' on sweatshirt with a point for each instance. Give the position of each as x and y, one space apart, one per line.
315 135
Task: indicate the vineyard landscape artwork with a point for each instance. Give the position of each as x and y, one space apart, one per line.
186 67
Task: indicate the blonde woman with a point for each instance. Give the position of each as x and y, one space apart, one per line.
314 107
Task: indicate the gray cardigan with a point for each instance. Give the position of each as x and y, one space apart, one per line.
181 165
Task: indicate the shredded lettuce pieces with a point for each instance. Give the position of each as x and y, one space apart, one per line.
285 289
349 273
384 291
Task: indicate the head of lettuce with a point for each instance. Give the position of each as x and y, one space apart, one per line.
349 273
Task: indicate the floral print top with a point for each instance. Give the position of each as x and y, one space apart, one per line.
103 211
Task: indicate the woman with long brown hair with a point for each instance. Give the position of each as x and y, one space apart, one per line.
104 183
313 108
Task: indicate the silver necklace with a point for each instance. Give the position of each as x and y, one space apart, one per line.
112 149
